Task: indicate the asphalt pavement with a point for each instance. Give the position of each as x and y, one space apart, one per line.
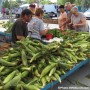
79 80
88 21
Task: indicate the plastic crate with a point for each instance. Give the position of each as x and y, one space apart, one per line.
2 37
5 37
8 37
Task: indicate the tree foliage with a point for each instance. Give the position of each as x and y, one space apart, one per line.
78 2
30 1
6 4
19 1
45 2
85 4
64 1
14 4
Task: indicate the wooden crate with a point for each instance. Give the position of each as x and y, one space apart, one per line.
4 46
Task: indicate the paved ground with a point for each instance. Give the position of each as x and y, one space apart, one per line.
79 80
89 24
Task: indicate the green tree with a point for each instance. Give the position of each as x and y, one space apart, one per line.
14 4
64 1
78 2
45 2
6 4
19 1
72 1
85 4
61 2
31 1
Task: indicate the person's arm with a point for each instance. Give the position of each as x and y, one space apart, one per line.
20 37
82 23
70 25
62 26
64 18
68 20
43 31
58 22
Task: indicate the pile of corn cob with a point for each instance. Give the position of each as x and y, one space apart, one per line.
30 64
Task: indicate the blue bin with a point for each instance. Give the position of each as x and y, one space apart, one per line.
8 37
5 37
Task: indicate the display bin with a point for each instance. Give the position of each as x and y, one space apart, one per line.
77 66
8 37
2 37
5 37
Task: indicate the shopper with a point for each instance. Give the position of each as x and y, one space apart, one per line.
32 8
78 20
18 13
7 12
36 25
62 18
68 7
3 12
19 29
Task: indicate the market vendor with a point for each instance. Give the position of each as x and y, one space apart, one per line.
19 29
78 20
36 25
